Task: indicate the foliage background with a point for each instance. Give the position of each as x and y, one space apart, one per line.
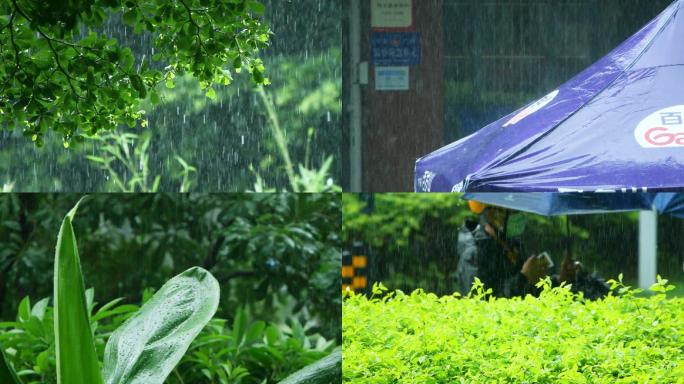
224 137
411 239
275 255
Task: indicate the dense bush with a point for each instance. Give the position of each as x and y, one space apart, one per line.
627 337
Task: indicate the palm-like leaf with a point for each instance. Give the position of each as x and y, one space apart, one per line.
76 356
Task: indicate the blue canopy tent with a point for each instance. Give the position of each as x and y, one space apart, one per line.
618 126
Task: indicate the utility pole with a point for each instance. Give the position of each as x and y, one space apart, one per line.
355 105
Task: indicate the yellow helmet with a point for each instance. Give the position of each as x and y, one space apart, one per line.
476 207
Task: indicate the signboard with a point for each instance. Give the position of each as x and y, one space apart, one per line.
354 272
395 48
391 78
392 14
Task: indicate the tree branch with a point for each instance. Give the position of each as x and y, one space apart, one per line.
14 44
52 48
193 22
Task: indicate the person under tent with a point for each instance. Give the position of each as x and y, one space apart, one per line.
490 249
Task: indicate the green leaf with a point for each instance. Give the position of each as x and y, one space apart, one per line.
130 17
258 76
326 370
96 159
239 325
255 331
147 347
154 97
256 7
39 308
211 93
7 374
137 83
75 351
24 311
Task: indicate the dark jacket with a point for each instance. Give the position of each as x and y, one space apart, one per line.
481 256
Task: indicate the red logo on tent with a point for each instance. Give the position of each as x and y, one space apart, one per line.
663 137
662 129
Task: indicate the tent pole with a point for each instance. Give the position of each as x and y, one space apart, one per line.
568 238
648 246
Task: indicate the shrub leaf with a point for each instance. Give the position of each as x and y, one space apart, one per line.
7 374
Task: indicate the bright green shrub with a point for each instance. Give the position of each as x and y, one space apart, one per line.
556 338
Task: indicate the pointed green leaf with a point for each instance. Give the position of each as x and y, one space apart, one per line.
24 311
325 370
147 347
239 325
39 308
255 331
76 356
7 374
256 7
211 93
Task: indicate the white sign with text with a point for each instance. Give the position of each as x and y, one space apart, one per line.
391 13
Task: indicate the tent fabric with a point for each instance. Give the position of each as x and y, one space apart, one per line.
554 204
617 126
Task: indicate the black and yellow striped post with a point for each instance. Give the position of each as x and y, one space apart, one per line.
354 270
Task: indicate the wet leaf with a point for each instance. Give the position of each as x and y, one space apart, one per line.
147 347
76 356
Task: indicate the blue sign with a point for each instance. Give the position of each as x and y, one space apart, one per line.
395 48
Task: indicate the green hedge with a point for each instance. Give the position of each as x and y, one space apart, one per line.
627 337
